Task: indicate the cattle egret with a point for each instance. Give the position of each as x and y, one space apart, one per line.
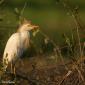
17 44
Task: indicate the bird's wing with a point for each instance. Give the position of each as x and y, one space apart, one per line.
26 43
12 46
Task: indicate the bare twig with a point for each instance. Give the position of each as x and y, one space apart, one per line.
80 74
58 50
68 74
22 11
25 77
74 14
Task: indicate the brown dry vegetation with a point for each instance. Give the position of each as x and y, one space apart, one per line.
40 71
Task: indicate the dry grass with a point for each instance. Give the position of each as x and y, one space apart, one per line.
38 71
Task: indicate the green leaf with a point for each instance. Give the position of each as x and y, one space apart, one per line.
35 32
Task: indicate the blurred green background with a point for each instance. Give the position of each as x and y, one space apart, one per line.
51 16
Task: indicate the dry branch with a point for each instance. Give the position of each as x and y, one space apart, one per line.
68 73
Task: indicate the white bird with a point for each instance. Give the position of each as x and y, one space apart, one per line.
17 44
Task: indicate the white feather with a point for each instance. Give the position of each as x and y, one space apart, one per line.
17 44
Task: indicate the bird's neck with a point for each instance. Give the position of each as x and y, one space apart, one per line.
21 29
24 33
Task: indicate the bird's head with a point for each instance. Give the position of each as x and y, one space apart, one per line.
27 26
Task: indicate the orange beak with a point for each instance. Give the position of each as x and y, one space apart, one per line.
35 27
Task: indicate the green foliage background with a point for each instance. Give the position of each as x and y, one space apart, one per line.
52 18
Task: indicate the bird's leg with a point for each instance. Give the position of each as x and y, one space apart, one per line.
14 72
11 67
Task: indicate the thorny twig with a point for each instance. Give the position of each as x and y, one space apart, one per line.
74 14
22 11
80 74
75 67
57 49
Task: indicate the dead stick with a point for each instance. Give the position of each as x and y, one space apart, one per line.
69 72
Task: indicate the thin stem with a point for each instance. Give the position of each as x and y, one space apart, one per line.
22 11
58 51
75 16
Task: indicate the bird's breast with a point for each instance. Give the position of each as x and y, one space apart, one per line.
16 45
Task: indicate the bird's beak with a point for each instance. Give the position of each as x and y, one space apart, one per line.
36 30
35 27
